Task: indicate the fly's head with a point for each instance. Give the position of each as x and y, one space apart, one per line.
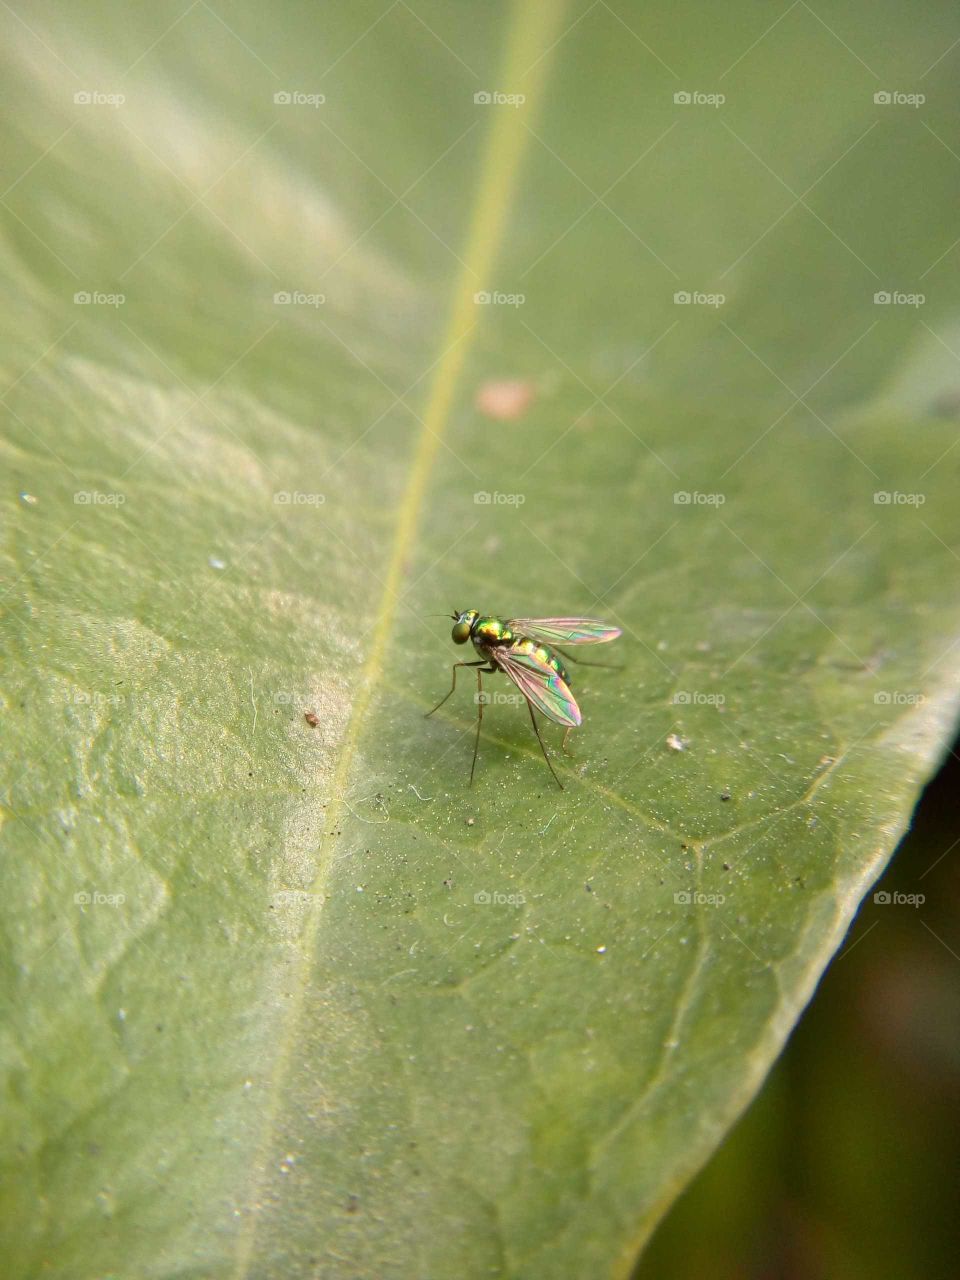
463 620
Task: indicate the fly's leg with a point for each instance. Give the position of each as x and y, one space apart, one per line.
480 663
476 741
563 744
476 745
536 730
584 662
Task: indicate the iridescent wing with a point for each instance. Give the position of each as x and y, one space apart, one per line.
564 630
540 684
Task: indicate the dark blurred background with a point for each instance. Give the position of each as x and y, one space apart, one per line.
845 1167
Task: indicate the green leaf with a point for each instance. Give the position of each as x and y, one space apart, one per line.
291 999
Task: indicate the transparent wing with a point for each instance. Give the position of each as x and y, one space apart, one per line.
541 684
565 630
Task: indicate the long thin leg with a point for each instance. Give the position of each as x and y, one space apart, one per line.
536 730
480 663
563 744
583 662
476 743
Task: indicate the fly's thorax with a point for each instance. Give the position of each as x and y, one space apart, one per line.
491 632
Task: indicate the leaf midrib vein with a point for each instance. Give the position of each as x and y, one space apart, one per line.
531 31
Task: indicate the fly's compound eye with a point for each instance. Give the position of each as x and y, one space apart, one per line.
461 633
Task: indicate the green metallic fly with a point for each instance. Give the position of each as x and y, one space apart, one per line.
521 649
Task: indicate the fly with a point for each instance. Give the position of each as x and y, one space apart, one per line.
526 651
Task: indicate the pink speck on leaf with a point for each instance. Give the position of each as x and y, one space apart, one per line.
505 400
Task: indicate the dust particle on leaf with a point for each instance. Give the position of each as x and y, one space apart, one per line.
311 718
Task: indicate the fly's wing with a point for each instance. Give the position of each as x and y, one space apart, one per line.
540 684
565 630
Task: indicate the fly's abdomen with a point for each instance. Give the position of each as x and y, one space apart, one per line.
542 654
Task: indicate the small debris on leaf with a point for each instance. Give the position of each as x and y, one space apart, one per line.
504 400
